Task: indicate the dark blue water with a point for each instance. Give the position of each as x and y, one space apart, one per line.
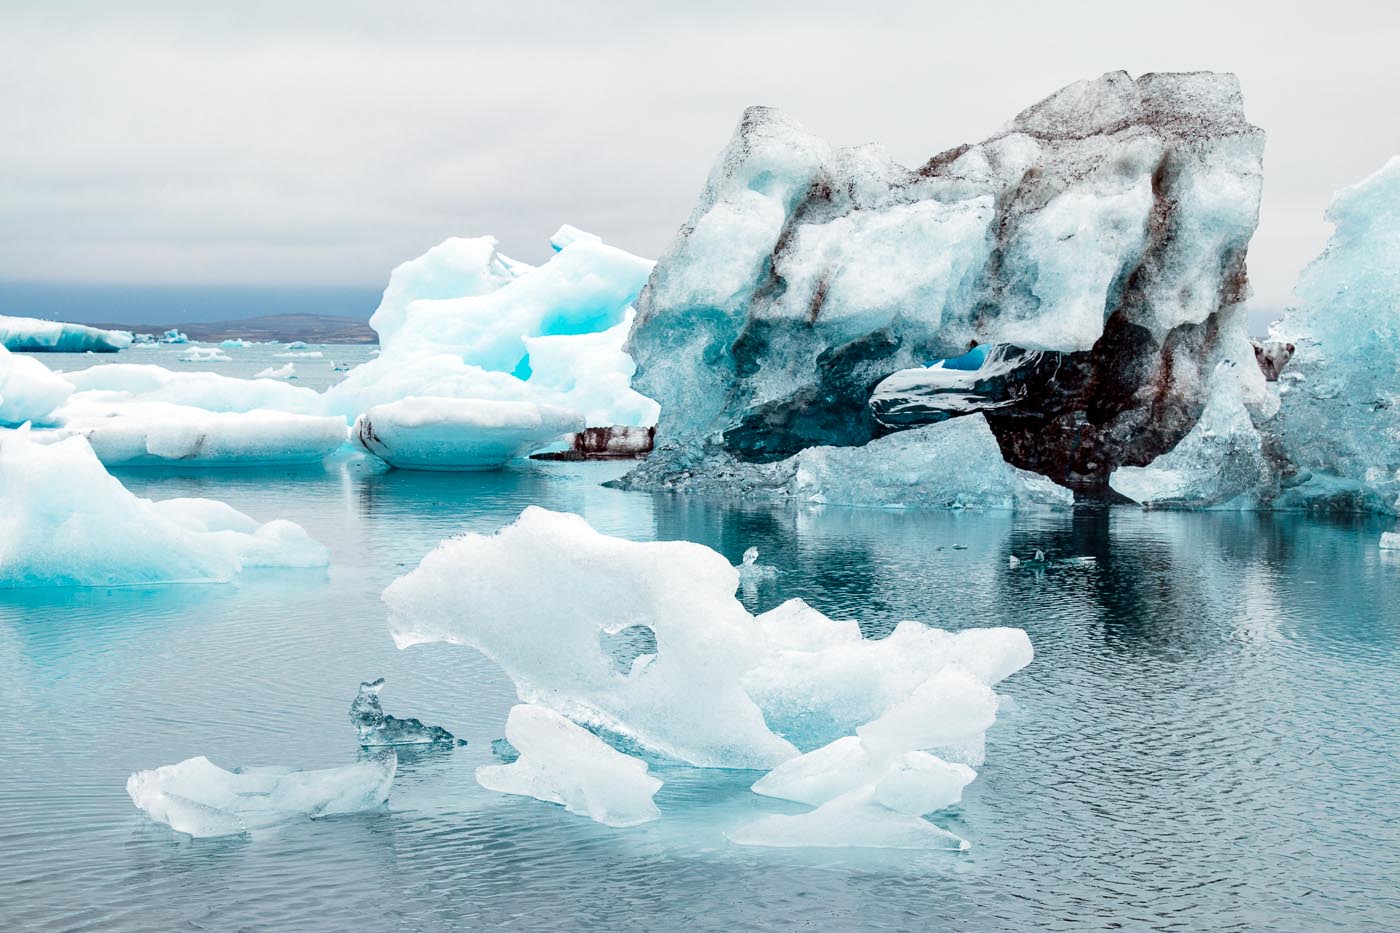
1208 738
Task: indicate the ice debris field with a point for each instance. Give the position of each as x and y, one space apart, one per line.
1052 315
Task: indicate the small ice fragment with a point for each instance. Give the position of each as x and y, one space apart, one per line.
201 799
281 372
376 728
751 571
1039 556
1390 541
204 355
1013 561
563 763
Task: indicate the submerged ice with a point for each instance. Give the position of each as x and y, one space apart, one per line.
199 798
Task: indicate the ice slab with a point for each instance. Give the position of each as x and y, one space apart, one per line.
199 798
376 728
65 521
34 335
210 391
150 433
1390 541
29 390
419 433
722 688
561 762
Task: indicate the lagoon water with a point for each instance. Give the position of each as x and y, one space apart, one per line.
1207 739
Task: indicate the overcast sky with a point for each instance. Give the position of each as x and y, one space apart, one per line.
322 143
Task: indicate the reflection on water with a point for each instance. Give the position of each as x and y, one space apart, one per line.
1207 738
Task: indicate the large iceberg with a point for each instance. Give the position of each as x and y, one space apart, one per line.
460 433
29 391
1099 237
199 798
717 687
563 763
1339 420
34 335
65 521
464 321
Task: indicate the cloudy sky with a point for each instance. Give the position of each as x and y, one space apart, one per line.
320 143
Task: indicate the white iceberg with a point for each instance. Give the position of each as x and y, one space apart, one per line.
34 335
65 521
210 391
29 390
1390 541
460 433
561 762
199 798
720 688
287 371
204 355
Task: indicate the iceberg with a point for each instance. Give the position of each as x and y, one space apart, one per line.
29 390
204 355
200 799
545 595
1390 541
463 321
210 391
377 728
288 371
65 521
33 335
560 762
1339 416
460 433
1095 246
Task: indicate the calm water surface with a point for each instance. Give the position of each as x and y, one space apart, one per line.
1208 738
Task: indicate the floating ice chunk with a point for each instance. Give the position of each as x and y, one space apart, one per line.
148 433
29 390
751 571
460 434
1220 463
173 336
235 344
204 355
300 355
856 819
951 465
201 799
210 391
64 521
560 762
287 371
1340 412
376 728
1390 541
34 335
723 689
1013 561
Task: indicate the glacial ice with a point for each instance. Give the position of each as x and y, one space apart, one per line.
377 728
29 390
1101 233
1220 463
954 464
205 355
1390 541
1339 420
463 321
65 521
286 371
34 335
460 433
722 689
751 571
210 391
560 762
201 799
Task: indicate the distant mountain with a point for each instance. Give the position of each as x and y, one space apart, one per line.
284 328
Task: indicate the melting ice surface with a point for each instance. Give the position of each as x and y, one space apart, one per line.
199 798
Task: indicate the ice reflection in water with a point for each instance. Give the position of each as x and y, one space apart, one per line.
1206 739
